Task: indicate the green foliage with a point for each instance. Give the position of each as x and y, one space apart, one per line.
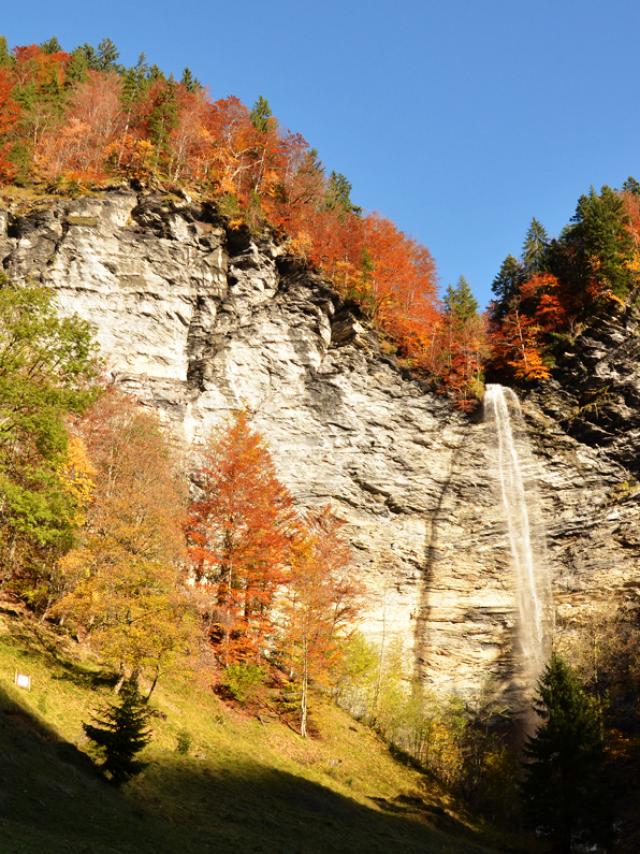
5 55
261 114
338 195
242 681
183 742
52 45
534 249
506 284
190 83
107 55
163 118
565 791
599 244
631 186
459 301
47 372
120 732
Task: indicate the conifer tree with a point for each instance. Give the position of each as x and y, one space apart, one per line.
52 45
505 285
260 115
600 244
564 790
534 248
121 731
460 302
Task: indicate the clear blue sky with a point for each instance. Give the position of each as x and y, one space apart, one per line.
458 119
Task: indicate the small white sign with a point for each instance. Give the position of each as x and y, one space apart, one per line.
23 681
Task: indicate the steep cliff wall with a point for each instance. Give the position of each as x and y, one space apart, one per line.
197 320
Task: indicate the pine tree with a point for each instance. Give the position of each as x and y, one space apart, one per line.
505 285
631 186
52 45
459 301
107 55
190 83
600 244
534 248
260 115
338 195
6 60
564 789
121 732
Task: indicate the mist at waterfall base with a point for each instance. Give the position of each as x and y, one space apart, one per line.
525 533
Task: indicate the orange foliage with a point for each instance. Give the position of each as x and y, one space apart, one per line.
239 532
143 126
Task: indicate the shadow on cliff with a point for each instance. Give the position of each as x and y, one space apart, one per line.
52 799
421 631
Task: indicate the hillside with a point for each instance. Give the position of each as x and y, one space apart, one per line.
245 785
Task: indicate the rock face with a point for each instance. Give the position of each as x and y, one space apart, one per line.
197 320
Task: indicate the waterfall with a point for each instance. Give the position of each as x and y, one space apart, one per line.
526 541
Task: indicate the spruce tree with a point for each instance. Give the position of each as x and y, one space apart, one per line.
564 791
631 186
338 195
460 302
121 732
260 115
534 248
505 285
600 244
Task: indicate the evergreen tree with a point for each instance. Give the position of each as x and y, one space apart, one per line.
90 55
600 244
534 248
338 195
459 301
120 731
260 115
189 81
564 790
107 55
5 55
52 45
506 285
631 186
76 70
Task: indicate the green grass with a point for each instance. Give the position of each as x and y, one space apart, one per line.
244 785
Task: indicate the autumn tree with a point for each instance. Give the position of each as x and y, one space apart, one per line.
47 372
462 347
123 579
239 530
318 605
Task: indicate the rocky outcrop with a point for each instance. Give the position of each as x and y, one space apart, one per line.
198 319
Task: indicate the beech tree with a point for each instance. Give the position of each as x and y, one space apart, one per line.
123 579
318 606
239 531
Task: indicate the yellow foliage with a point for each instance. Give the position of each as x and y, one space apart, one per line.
77 476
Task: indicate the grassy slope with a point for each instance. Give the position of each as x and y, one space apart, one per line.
245 785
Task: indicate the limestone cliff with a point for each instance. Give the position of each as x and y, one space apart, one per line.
197 319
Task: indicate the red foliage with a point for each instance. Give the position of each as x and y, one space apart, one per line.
239 533
143 127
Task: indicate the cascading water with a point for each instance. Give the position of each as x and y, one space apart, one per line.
526 540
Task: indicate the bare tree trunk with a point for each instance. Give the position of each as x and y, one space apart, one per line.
304 700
